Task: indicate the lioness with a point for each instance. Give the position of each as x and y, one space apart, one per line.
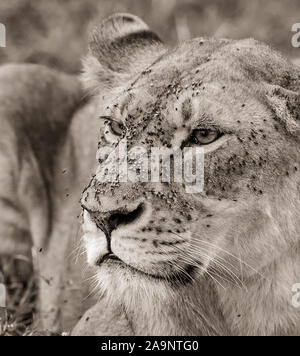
39 161
167 262
220 262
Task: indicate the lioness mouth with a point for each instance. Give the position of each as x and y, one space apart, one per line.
182 277
108 256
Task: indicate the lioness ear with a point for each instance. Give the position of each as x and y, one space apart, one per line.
119 48
285 104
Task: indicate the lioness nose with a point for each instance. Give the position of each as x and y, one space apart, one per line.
110 221
109 216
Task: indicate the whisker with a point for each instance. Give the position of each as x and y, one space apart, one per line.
235 277
215 260
195 264
230 254
238 259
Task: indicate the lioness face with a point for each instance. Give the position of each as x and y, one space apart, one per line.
202 94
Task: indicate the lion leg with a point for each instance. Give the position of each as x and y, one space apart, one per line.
62 286
58 290
23 206
103 320
36 106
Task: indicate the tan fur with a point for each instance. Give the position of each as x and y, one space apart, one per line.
40 116
244 227
36 105
241 234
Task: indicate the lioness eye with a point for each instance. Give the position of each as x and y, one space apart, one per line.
205 136
116 128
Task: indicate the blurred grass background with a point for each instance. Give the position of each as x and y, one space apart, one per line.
55 32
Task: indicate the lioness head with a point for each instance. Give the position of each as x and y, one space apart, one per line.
237 100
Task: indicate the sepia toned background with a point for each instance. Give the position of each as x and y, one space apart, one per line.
54 32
